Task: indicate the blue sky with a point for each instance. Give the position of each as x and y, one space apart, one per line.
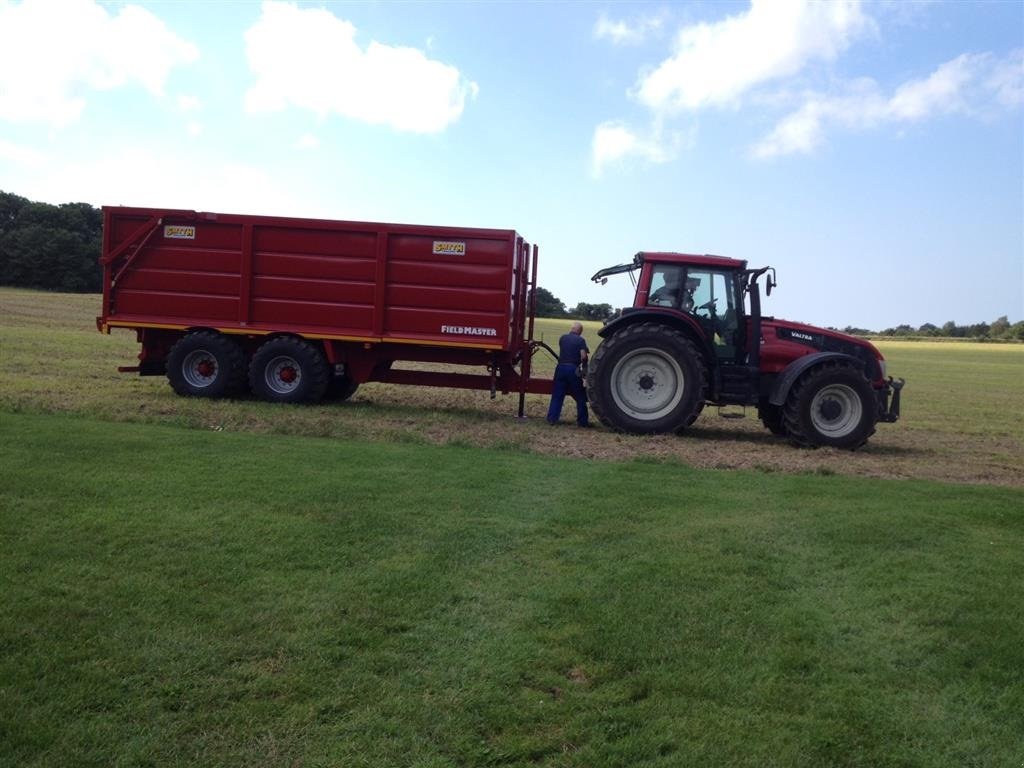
872 152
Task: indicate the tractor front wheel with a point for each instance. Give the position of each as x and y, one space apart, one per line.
833 405
647 378
772 418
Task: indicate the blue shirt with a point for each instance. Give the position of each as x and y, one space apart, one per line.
569 347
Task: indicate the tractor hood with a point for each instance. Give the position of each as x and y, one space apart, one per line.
783 340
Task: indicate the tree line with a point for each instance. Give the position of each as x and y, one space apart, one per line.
57 248
549 305
1000 329
51 247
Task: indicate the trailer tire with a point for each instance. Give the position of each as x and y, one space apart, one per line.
206 364
647 378
833 405
287 369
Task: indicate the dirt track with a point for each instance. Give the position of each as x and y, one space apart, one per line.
896 450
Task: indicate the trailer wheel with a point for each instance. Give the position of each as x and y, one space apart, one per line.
206 364
647 378
288 370
833 405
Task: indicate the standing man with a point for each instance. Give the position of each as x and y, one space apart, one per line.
572 353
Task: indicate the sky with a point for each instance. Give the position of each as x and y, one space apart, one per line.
873 153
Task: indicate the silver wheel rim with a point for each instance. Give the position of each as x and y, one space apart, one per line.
836 410
282 375
199 368
647 384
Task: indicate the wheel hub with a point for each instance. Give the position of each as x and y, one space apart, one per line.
831 410
287 375
646 381
205 368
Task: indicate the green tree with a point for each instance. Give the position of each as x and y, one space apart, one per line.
585 311
53 247
1000 328
978 330
549 305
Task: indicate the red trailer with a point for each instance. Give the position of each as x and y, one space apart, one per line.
300 308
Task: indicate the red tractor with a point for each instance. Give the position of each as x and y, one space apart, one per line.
688 340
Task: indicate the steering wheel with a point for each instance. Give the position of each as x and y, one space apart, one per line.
710 306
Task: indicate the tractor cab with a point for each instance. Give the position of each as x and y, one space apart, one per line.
705 292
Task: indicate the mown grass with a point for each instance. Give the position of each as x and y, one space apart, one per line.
184 597
961 387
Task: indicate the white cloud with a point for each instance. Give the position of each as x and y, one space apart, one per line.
613 142
1006 81
53 54
715 64
307 141
942 91
309 58
969 84
20 155
625 33
194 181
189 103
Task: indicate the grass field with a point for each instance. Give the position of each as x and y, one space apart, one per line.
180 597
414 578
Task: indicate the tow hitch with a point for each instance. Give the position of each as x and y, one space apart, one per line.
889 411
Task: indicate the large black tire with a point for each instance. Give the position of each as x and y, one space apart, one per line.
772 418
288 370
832 404
206 364
647 378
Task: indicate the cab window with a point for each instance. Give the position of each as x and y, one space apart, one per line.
710 295
665 287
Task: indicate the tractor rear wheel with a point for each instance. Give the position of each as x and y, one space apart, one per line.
288 370
647 378
206 364
833 405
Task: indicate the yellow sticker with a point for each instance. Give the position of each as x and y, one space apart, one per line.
449 248
179 232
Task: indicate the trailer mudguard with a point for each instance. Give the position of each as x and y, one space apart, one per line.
785 380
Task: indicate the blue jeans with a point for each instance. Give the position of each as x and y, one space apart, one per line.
568 383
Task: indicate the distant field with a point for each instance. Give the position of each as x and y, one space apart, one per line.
177 597
963 407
